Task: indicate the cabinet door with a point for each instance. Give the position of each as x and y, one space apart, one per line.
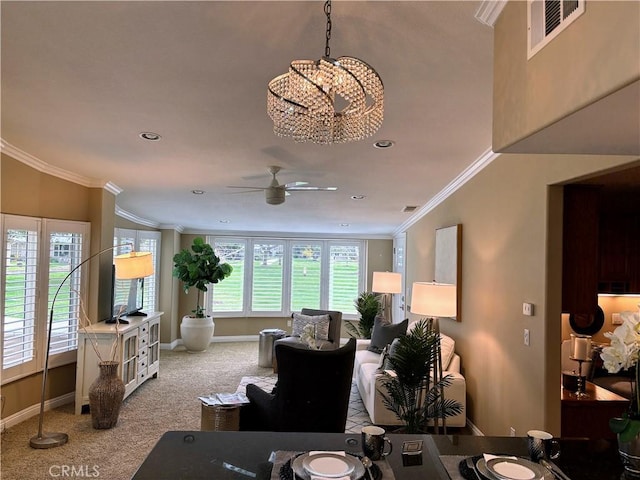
130 361
616 245
580 250
154 346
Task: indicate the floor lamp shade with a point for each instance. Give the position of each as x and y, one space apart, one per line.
434 299
133 265
386 282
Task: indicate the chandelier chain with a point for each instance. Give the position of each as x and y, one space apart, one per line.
327 11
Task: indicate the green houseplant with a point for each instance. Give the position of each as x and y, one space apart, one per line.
198 267
368 306
413 393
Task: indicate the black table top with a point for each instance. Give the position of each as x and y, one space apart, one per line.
244 455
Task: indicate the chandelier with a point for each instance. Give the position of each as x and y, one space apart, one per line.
328 100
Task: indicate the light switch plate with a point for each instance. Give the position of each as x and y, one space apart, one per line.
616 319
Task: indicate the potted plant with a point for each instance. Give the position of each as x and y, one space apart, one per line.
368 306
413 394
198 267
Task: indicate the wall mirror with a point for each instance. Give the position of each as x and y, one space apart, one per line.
448 260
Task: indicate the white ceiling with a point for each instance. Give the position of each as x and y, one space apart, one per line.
81 80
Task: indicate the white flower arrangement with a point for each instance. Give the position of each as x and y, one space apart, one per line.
623 352
309 335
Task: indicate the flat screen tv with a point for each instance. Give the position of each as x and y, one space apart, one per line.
126 297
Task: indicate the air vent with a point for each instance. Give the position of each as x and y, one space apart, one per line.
409 209
547 18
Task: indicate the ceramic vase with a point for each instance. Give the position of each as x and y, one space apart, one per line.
196 332
630 456
105 396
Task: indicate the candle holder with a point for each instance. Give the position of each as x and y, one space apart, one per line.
580 392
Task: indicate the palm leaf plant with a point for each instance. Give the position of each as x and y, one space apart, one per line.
413 390
368 306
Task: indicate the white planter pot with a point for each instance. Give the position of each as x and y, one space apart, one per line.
196 332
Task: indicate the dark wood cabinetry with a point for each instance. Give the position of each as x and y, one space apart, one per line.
580 250
619 251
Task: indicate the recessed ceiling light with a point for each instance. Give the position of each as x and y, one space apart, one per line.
197 192
344 224
224 221
358 197
384 144
150 136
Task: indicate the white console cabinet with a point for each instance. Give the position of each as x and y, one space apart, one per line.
138 351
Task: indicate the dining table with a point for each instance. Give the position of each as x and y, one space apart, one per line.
245 455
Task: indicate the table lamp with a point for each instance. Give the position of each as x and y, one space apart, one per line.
386 283
133 263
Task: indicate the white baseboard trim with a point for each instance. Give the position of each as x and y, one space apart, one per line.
476 431
34 410
214 339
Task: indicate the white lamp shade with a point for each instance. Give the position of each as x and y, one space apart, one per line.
133 265
434 299
386 282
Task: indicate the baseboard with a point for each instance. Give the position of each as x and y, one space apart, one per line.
214 339
475 430
34 410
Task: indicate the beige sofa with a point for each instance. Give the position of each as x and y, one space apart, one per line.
369 382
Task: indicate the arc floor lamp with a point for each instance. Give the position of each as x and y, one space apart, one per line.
129 266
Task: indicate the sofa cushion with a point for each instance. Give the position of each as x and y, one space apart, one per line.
320 321
384 333
447 349
390 353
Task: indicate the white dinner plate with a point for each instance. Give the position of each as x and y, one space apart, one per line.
504 468
329 465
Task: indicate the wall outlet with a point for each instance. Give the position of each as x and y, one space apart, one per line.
512 432
288 323
527 309
527 339
616 319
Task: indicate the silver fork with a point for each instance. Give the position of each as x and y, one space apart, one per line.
473 467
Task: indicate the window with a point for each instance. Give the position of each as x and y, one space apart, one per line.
141 241
38 255
283 276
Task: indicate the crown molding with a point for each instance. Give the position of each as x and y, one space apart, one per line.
489 11
136 219
467 174
44 167
166 226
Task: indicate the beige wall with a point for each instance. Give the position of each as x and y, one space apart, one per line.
511 253
595 56
29 192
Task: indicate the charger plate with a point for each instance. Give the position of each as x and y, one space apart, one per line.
327 465
502 468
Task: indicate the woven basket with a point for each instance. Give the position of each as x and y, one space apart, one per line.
218 418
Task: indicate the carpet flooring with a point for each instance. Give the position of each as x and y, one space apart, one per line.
169 402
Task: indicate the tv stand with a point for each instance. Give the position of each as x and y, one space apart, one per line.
137 314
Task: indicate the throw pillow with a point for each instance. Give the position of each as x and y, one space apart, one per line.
321 323
383 359
390 353
447 348
384 333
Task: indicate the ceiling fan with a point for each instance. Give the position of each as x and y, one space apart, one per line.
275 192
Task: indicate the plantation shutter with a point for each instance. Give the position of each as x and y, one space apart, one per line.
150 242
306 275
344 275
66 245
228 295
19 299
268 273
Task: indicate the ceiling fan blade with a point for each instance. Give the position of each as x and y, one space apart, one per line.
253 189
311 188
295 184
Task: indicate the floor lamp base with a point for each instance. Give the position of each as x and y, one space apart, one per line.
49 440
